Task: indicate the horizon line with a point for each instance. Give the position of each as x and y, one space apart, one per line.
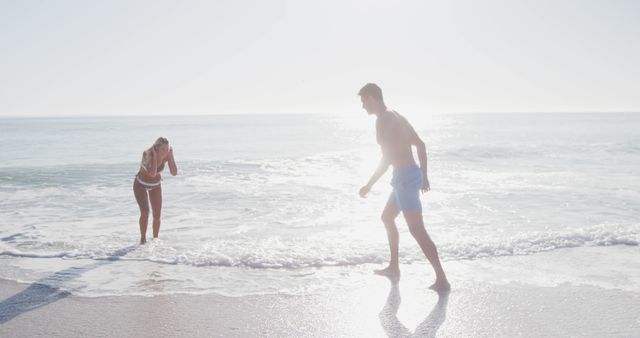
68 116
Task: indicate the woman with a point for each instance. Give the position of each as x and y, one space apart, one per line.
147 184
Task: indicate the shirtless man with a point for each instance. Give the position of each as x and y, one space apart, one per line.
396 136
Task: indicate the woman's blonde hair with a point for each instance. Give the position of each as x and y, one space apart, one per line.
160 141
146 156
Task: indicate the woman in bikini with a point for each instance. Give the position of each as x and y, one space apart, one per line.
147 184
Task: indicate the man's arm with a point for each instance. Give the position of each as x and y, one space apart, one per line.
382 135
382 168
422 155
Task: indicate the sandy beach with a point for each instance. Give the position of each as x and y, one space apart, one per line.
241 168
373 307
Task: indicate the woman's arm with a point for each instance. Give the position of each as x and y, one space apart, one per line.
153 170
173 168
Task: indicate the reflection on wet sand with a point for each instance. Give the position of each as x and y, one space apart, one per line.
427 328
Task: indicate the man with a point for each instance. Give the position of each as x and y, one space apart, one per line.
396 136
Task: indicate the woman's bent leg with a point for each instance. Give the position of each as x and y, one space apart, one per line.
143 203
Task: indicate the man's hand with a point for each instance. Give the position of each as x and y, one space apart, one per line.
425 185
364 191
170 152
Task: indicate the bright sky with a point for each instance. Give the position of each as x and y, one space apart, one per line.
124 57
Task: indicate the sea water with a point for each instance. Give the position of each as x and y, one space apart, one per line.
269 203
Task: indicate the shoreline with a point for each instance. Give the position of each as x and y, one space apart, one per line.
371 306
608 267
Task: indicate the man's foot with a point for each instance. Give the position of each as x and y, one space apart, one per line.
440 286
390 271
143 240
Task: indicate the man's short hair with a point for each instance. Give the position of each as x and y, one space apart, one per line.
371 89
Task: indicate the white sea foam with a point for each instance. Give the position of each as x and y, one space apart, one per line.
276 253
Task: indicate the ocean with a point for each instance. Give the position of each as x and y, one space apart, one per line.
269 204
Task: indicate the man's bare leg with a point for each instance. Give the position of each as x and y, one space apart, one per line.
389 219
416 227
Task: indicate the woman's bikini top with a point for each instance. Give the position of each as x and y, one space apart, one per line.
146 161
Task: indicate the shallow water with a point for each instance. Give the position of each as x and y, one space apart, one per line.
268 200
